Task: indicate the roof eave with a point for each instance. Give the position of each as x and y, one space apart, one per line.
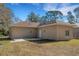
55 24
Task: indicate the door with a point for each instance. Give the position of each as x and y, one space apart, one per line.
67 34
39 33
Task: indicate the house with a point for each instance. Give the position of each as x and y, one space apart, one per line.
76 31
24 30
54 31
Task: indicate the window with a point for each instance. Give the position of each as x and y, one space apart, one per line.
44 30
67 33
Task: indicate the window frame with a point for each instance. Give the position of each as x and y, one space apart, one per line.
67 33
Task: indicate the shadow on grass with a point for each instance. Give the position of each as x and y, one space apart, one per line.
46 41
5 39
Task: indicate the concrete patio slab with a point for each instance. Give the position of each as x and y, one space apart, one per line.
20 40
17 40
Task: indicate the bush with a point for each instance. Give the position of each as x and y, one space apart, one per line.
6 33
1 33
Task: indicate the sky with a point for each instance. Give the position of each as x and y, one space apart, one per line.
21 10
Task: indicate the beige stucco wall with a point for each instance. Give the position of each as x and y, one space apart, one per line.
22 32
56 32
61 35
48 32
76 33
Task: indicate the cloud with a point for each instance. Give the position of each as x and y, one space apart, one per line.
63 7
49 7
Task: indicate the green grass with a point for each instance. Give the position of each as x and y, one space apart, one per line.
70 42
5 42
59 43
31 48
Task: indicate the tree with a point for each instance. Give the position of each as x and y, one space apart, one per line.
71 18
5 18
53 15
76 11
16 20
32 17
43 20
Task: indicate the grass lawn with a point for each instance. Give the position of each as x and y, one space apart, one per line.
73 42
44 48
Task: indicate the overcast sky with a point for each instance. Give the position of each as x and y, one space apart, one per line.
21 10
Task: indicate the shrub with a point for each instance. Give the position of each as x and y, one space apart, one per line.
1 33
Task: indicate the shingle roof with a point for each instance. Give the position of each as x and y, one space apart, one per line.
59 23
26 24
36 24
